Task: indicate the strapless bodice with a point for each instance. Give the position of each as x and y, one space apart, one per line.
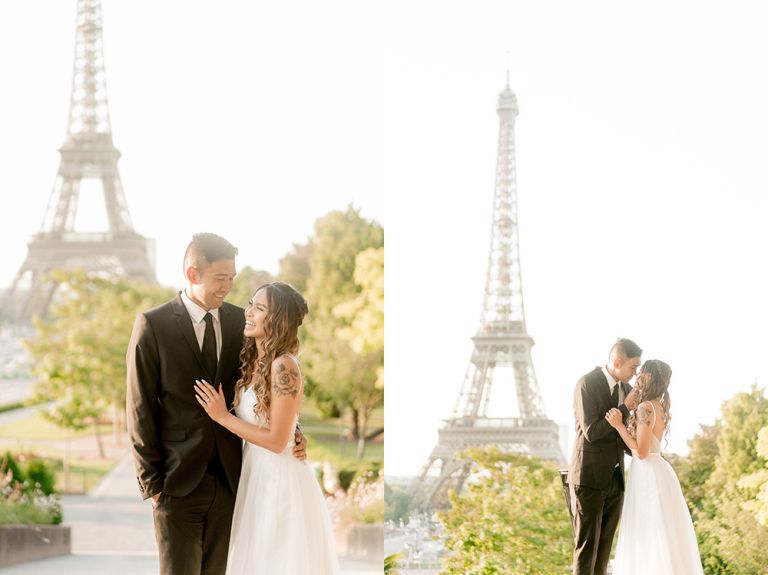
654 449
244 410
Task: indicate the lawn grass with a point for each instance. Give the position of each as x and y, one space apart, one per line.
11 406
37 427
32 436
84 474
343 450
328 439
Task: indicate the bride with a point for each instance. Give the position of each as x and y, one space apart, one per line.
656 533
280 523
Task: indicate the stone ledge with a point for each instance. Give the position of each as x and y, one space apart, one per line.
21 543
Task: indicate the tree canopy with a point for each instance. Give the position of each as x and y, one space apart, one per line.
343 338
78 353
723 479
510 518
247 281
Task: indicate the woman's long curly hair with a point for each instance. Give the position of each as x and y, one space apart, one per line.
652 383
286 309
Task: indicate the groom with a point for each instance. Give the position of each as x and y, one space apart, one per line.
596 474
187 464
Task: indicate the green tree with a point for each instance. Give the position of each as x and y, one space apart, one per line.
758 482
743 416
361 327
339 237
510 518
246 283
731 540
390 564
294 266
78 353
363 315
337 376
695 469
397 503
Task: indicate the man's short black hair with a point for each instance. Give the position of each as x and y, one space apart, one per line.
206 248
627 348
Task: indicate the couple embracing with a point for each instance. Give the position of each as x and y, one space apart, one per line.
231 492
656 533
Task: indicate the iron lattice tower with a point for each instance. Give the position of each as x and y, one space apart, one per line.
502 341
88 154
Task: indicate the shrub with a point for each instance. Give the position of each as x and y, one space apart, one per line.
8 463
364 500
19 507
347 475
39 474
27 500
345 478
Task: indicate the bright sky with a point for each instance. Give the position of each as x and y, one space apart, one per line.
641 153
640 147
242 118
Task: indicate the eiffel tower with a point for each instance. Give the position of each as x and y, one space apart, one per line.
502 341
88 156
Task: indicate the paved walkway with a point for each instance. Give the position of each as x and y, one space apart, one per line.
19 414
14 390
112 532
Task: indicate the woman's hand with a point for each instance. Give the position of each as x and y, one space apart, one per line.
631 400
615 418
212 401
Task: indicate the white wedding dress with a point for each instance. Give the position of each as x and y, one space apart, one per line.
280 523
656 532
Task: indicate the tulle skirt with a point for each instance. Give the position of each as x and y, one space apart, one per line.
281 522
656 532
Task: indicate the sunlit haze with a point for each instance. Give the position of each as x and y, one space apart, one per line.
640 153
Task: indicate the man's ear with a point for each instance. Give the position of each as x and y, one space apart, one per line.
191 274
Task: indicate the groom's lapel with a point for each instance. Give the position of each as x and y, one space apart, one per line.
184 323
605 392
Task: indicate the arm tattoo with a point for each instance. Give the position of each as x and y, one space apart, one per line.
286 382
642 414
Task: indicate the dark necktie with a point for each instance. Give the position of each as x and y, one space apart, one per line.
615 394
209 349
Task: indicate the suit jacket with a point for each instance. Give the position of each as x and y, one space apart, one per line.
172 437
598 446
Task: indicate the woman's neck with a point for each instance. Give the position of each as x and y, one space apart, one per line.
260 348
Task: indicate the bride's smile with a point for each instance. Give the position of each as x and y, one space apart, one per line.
256 315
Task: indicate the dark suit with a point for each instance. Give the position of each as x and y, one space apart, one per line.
179 450
596 474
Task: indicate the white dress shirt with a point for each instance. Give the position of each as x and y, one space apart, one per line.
198 323
612 383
